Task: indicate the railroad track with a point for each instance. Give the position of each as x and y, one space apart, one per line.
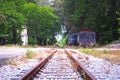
58 66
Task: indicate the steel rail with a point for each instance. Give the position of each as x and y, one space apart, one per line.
86 74
31 73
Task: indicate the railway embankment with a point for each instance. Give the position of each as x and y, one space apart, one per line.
12 66
101 69
15 54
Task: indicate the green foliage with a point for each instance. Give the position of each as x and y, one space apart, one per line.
29 54
96 15
62 42
85 50
32 1
12 20
94 52
41 22
105 51
31 40
118 13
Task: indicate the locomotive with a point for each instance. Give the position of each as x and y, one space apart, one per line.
83 38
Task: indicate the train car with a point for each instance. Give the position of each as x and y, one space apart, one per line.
72 40
86 38
83 38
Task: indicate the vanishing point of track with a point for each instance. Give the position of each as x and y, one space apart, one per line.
60 65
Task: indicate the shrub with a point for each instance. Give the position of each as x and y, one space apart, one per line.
105 51
29 54
85 51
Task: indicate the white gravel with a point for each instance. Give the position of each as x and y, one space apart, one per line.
12 71
113 46
9 71
101 69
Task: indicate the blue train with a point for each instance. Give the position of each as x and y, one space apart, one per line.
83 38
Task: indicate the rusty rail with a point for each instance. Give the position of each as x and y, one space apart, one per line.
81 68
30 74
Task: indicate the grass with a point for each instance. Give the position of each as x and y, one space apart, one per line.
12 62
112 56
40 54
30 54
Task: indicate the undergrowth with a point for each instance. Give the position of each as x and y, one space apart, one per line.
30 54
112 56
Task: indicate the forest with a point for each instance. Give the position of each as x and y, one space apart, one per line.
43 19
100 16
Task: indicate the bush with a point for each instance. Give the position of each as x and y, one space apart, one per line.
85 50
105 52
29 54
31 40
62 42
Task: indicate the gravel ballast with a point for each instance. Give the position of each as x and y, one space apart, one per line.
101 69
8 72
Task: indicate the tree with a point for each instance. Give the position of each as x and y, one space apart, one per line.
13 20
44 2
32 1
41 22
59 11
96 15
118 14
